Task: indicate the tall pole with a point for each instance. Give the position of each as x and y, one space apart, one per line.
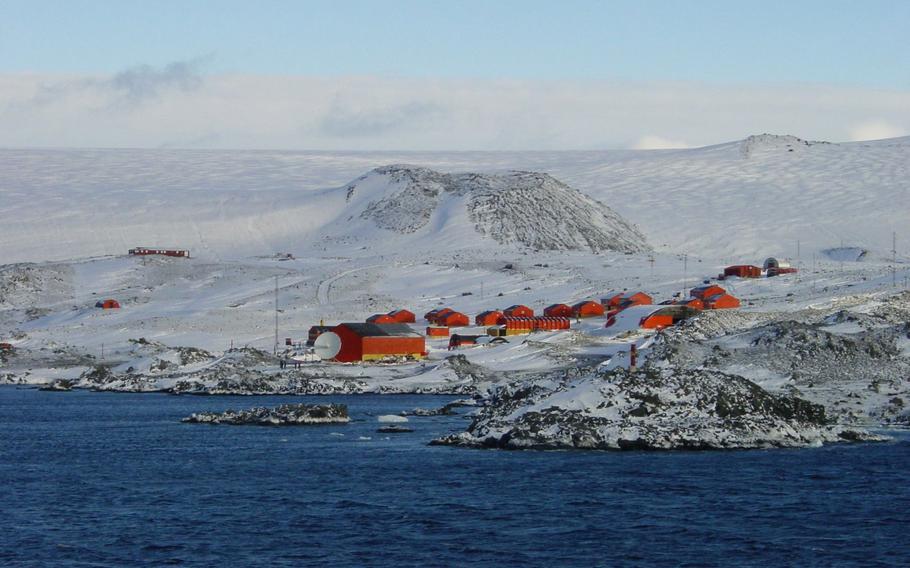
685 272
813 272
276 315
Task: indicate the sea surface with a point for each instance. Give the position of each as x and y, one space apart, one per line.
105 479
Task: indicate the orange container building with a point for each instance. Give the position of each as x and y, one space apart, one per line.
437 331
742 271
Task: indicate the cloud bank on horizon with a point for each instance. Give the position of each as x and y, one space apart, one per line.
178 105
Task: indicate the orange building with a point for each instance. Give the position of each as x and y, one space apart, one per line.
437 331
453 319
558 311
721 302
381 318
742 271
403 316
706 291
518 311
587 309
489 317
367 341
630 299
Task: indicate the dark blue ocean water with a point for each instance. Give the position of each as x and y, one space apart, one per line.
92 479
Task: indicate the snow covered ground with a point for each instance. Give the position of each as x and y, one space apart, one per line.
365 241
734 201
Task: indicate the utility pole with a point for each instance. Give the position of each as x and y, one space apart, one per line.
275 351
894 259
685 272
813 272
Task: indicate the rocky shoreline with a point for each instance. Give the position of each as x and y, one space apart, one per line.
653 408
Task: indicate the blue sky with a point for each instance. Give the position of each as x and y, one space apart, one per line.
863 43
450 75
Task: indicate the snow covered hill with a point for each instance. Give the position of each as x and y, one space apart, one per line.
735 201
525 208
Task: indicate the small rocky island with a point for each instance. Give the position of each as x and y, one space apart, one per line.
653 408
284 415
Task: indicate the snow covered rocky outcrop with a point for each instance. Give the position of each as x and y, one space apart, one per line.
653 408
771 143
529 209
249 371
854 359
284 415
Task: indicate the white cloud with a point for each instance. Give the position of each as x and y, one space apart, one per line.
876 130
658 143
178 106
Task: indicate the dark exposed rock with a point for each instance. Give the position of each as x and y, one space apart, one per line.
283 415
394 430
651 408
525 208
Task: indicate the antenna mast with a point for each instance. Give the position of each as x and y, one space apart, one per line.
685 272
275 350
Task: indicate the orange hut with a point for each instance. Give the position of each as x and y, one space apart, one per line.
721 301
489 317
453 319
587 309
381 319
558 311
706 291
518 311
403 316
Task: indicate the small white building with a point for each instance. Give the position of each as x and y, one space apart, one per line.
772 262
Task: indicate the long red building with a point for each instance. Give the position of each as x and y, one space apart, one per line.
370 342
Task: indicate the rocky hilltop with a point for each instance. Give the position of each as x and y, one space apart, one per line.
529 209
654 408
854 361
